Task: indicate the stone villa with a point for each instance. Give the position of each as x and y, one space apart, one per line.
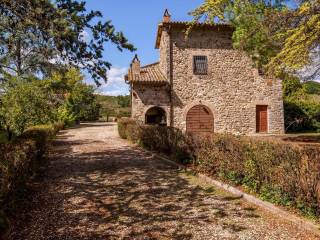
201 84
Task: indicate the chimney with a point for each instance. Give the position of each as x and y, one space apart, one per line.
135 65
166 16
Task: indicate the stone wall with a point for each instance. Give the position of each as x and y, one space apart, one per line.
231 89
145 97
164 49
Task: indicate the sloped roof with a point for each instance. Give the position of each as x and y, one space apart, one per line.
194 25
149 74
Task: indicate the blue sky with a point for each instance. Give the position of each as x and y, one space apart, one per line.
138 20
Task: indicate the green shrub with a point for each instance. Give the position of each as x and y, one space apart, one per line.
183 155
19 161
220 155
58 126
280 173
4 224
167 140
17 164
155 138
66 116
3 136
40 135
123 126
132 132
25 103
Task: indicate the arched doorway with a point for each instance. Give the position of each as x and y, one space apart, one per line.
156 116
200 120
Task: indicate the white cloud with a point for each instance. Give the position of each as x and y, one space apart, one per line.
116 84
116 74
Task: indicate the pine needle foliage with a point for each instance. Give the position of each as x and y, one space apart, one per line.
41 36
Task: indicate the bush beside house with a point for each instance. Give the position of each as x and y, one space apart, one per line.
19 162
301 105
281 173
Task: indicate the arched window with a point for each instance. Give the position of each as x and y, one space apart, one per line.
156 116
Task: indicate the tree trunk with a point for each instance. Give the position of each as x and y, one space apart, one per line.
9 134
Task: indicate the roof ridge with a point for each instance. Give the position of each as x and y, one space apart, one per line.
199 24
185 24
151 64
148 75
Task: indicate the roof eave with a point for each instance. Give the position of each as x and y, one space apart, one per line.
218 27
159 33
154 83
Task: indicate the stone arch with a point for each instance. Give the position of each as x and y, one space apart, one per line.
199 119
155 115
199 102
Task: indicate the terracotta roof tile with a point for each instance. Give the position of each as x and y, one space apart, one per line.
200 24
149 74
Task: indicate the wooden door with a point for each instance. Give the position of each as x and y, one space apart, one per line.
200 120
262 119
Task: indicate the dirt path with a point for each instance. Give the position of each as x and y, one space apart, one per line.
98 186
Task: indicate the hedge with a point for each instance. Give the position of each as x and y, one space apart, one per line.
278 172
281 173
170 141
123 127
19 161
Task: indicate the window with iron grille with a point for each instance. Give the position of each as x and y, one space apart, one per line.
200 65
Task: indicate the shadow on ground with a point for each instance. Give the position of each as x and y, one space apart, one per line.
303 138
121 193
93 125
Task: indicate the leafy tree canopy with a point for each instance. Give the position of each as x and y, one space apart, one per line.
312 87
299 35
82 102
41 36
114 106
62 82
74 100
63 97
301 105
25 104
278 39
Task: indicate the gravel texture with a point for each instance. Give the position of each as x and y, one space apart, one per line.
98 186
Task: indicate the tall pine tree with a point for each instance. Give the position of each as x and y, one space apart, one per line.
39 36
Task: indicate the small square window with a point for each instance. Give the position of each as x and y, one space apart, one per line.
200 65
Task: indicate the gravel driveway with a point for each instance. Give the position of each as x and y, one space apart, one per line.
98 186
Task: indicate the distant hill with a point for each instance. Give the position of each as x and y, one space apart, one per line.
114 106
312 87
